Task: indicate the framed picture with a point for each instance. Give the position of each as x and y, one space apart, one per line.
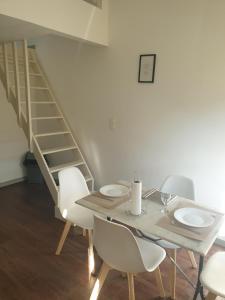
147 68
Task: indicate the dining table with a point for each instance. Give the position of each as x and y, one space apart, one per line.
152 221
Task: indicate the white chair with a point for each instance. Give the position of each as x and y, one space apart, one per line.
183 187
72 187
120 250
213 276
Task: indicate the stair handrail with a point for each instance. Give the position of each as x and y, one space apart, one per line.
6 68
17 82
24 120
27 95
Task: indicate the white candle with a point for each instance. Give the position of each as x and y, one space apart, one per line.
136 192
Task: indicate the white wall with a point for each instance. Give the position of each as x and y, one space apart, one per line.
74 18
174 126
13 144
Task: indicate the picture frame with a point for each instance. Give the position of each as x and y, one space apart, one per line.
146 72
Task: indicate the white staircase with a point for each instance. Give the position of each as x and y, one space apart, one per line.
49 135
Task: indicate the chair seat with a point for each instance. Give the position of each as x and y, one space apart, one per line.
81 216
162 243
213 275
152 254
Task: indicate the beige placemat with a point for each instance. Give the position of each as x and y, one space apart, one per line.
105 202
168 221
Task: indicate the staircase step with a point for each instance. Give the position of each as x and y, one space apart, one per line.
33 87
31 74
40 102
47 118
51 133
21 63
63 166
39 87
88 178
10 60
43 102
34 74
58 149
36 87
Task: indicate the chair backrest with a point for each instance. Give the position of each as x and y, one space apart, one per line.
117 246
72 187
179 185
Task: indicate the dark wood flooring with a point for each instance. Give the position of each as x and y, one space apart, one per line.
29 270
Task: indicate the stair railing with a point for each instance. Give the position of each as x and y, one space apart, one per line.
17 83
27 95
24 119
6 68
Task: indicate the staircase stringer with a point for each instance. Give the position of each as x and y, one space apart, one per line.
45 170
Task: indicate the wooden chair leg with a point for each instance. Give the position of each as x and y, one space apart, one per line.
192 259
91 259
63 237
159 282
130 277
100 281
211 296
173 275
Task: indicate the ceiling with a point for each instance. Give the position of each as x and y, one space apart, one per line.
14 29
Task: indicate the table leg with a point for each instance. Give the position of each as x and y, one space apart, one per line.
199 287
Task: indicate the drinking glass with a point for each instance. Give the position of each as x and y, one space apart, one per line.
165 197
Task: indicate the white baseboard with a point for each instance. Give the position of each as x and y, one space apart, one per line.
13 181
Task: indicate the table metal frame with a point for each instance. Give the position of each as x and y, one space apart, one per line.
198 287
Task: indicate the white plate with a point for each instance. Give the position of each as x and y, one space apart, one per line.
194 217
114 190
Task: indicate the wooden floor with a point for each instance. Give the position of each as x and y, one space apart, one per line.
29 270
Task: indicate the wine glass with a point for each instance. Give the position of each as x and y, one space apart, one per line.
165 197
